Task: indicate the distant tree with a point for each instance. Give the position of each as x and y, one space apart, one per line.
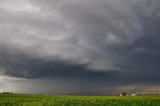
124 93
118 94
7 92
10 92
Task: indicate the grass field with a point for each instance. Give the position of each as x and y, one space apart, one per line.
46 100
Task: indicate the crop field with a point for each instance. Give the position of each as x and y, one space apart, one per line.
47 100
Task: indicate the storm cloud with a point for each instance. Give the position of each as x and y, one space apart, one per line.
84 44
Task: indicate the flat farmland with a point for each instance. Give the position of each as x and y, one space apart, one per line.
49 100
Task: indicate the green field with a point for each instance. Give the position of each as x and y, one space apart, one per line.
46 100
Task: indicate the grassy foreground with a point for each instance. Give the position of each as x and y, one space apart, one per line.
46 100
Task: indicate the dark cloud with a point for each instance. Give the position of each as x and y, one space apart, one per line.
102 43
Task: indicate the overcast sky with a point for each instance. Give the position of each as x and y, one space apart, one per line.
79 46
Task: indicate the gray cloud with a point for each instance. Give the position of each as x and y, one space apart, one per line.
100 41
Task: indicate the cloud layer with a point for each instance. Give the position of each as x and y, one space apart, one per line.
101 41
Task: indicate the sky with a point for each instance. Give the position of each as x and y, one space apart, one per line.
79 46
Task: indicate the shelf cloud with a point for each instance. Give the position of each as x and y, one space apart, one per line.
79 42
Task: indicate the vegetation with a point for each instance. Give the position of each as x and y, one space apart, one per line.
7 93
46 100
